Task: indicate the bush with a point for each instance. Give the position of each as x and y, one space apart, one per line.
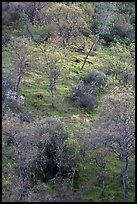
87 100
108 38
83 93
124 30
57 151
82 97
97 78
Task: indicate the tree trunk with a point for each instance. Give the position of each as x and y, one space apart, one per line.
126 78
17 86
103 182
94 42
33 13
72 180
51 92
124 166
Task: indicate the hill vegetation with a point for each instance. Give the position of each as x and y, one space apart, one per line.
68 101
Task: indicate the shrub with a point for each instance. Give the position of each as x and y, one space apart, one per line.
124 30
82 97
87 100
96 77
108 38
57 151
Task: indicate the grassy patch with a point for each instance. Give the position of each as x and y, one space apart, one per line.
78 120
89 177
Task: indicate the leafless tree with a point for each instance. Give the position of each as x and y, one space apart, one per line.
100 161
53 60
117 131
21 60
19 146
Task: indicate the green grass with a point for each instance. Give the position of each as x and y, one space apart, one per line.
89 177
77 119
37 83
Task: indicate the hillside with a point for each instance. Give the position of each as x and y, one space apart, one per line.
68 129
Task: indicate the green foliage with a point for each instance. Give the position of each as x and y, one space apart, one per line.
68 22
120 23
118 62
43 32
124 21
24 23
58 151
62 38
87 8
103 15
108 38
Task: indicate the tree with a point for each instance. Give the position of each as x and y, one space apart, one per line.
34 11
21 60
52 62
98 157
53 66
124 21
123 61
58 151
19 140
88 10
103 16
117 130
11 12
119 62
68 22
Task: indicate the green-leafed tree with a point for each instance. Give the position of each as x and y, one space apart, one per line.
58 150
68 22
51 61
103 14
124 21
119 62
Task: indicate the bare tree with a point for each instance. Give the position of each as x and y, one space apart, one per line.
118 129
19 147
34 11
99 158
21 60
53 59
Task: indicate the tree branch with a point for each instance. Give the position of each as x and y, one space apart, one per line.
114 151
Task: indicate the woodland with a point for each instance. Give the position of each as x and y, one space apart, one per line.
68 101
